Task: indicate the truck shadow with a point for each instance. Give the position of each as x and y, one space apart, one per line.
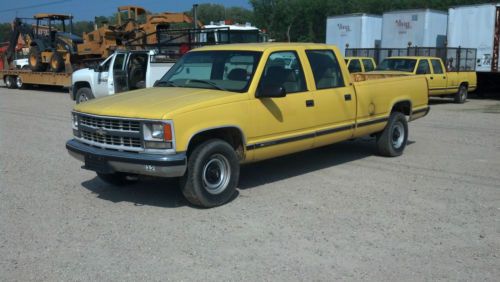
166 193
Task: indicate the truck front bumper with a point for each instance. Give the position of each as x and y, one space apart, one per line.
109 161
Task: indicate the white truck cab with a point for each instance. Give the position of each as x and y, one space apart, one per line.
122 71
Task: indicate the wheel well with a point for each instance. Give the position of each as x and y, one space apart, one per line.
231 135
78 85
465 83
402 107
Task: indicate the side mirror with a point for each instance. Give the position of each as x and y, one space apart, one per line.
271 91
99 68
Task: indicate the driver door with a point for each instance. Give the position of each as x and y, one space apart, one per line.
286 124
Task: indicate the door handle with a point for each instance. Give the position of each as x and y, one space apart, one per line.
347 97
309 103
432 77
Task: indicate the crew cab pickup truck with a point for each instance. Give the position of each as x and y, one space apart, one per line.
222 106
360 64
122 71
442 83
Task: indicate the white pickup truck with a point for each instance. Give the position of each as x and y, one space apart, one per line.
122 71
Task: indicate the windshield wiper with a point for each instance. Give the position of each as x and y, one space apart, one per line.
166 83
209 83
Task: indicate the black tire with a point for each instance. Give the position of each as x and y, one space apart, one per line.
117 178
212 174
10 82
56 62
19 83
83 94
392 141
35 59
461 95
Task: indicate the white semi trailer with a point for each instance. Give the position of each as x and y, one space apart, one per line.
414 27
478 26
354 31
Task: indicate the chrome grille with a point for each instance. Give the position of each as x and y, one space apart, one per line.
111 124
110 133
112 140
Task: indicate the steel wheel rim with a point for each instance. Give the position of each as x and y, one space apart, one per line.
463 93
82 98
398 135
19 82
216 174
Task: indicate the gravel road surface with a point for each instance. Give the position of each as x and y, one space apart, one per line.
335 213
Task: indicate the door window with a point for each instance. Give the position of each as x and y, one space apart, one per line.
325 68
284 69
119 61
423 67
368 65
436 65
355 66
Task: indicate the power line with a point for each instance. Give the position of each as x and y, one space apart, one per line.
34 6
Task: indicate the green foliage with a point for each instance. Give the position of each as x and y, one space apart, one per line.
305 20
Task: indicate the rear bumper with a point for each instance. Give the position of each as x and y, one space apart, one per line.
109 161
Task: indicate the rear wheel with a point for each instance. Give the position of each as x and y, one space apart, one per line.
35 59
56 62
392 141
461 95
212 174
83 94
19 83
10 82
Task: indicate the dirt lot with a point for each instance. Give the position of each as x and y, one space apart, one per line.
336 213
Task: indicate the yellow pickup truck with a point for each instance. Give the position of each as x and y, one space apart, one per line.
360 64
222 106
442 83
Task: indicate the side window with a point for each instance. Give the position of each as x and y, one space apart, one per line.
119 60
423 67
368 65
436 65
355 66
325 68
105 66
284 69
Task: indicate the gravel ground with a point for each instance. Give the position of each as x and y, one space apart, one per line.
335 213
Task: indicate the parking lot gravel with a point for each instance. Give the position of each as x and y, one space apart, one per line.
335 213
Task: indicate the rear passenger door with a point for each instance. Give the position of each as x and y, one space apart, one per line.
334 98
437 83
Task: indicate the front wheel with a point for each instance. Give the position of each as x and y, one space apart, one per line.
212 174
10 82
461 95
392 141
83 94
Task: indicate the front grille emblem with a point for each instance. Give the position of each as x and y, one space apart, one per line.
100 132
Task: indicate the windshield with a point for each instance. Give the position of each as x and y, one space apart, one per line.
406 65
223 70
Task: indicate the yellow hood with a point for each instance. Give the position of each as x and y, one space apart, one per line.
157 102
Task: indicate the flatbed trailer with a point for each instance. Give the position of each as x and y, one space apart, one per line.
22 78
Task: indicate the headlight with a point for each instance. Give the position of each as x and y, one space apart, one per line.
157 135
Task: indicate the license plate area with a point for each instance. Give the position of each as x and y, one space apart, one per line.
97 164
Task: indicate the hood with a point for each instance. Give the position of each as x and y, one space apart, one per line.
157 102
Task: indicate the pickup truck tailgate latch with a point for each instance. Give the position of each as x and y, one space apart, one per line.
347 97
309 103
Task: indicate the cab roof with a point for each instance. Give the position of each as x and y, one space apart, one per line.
262 46
412 57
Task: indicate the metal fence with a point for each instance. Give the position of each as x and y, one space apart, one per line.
455 59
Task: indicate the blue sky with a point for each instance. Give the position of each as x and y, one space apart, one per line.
87 9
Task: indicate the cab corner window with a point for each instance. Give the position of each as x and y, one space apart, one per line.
325 68
284 69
